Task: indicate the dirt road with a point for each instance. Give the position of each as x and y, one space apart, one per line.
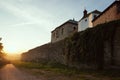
10 72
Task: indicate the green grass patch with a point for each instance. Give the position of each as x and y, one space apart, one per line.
55 67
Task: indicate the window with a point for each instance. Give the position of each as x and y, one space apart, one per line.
53 34
94 16
62 31
85 20
57 35
74 28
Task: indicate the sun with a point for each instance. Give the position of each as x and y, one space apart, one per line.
12 53
12 50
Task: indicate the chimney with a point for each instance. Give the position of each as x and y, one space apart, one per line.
85 13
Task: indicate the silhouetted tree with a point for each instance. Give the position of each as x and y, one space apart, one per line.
1 47
1 53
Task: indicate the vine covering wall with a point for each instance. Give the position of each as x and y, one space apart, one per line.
88 47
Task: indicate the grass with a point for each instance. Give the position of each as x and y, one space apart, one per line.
55 67
51 70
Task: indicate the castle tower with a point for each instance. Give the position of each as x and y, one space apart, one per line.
85 13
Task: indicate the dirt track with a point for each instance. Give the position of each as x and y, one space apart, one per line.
10 72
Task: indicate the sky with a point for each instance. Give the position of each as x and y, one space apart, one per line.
26 24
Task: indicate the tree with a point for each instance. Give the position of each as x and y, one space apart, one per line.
1 47
1 53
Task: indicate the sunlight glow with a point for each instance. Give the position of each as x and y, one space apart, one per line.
13 56
12 50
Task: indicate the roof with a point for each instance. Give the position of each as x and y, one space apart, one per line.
115 2
69 21
95 11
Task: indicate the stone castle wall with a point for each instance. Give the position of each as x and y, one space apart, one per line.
112 49
51 52
116 46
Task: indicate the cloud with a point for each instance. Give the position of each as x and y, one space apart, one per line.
26 12
29 15
17 11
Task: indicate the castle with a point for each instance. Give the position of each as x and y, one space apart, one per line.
88 20
105 37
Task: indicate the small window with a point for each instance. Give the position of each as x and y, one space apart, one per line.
62 31
57 35
85 20
53 34
74 28
95 16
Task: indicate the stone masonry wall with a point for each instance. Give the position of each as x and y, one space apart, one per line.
117 46
52 52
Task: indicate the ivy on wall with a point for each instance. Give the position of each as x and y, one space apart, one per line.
87 47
